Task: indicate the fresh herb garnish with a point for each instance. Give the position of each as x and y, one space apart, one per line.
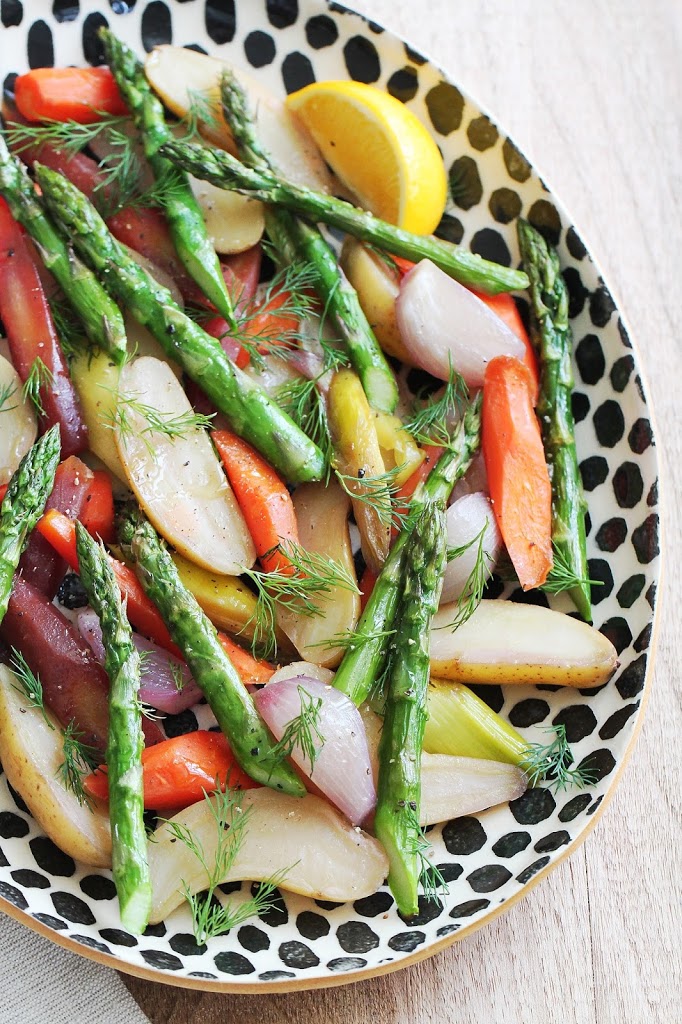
472 592
433 883
79 761
7 392
377 493
433 422
552 762
302 732
562 577
28 684
209 916
174 426
39 377
313 577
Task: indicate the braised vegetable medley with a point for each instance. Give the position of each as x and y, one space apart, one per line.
223 491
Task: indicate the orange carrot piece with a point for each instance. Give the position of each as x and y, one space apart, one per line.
507 310
178 771
520 489
68 94
250 670
98 512
262 497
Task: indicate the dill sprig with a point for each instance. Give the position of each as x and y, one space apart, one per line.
352 640
129 408
203 110
562 577
79 761
302 732
289 299
209 916
177 674
433 883
432 423
302 401
68 136
377 492
28 684
39 377
472 592
552 762
69 330
7 391
312 577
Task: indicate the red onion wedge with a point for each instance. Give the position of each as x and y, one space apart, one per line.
441 321
166 681
453 786
342 769
470 521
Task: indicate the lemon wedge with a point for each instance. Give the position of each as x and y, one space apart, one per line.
379 149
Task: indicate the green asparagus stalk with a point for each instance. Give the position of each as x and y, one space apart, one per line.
197 638
183 213
396 822
125 739
99 314
362 661
250 411
552 338
225 171
299 241
23 505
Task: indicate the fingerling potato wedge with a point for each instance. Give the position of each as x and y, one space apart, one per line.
505 642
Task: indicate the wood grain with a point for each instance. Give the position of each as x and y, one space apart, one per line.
591 90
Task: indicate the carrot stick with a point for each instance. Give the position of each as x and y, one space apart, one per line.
178 771
68 94
507 310
520 489
262 497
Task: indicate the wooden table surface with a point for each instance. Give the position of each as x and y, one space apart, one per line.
591 90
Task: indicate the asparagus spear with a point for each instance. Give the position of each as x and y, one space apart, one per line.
396 822
23 505
100 315
552 338
250 411
125 739
297 240
225 171
196 636
183 213
362 661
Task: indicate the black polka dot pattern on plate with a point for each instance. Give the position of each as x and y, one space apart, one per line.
483 861
297 72
157 27
362 60
11 13
445 105
466 188
220 20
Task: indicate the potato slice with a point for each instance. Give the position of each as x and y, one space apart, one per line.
378 288
320 853
96 378
234 223
504 642
179 75
178 480
357 455
31 753
18 424
322 515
